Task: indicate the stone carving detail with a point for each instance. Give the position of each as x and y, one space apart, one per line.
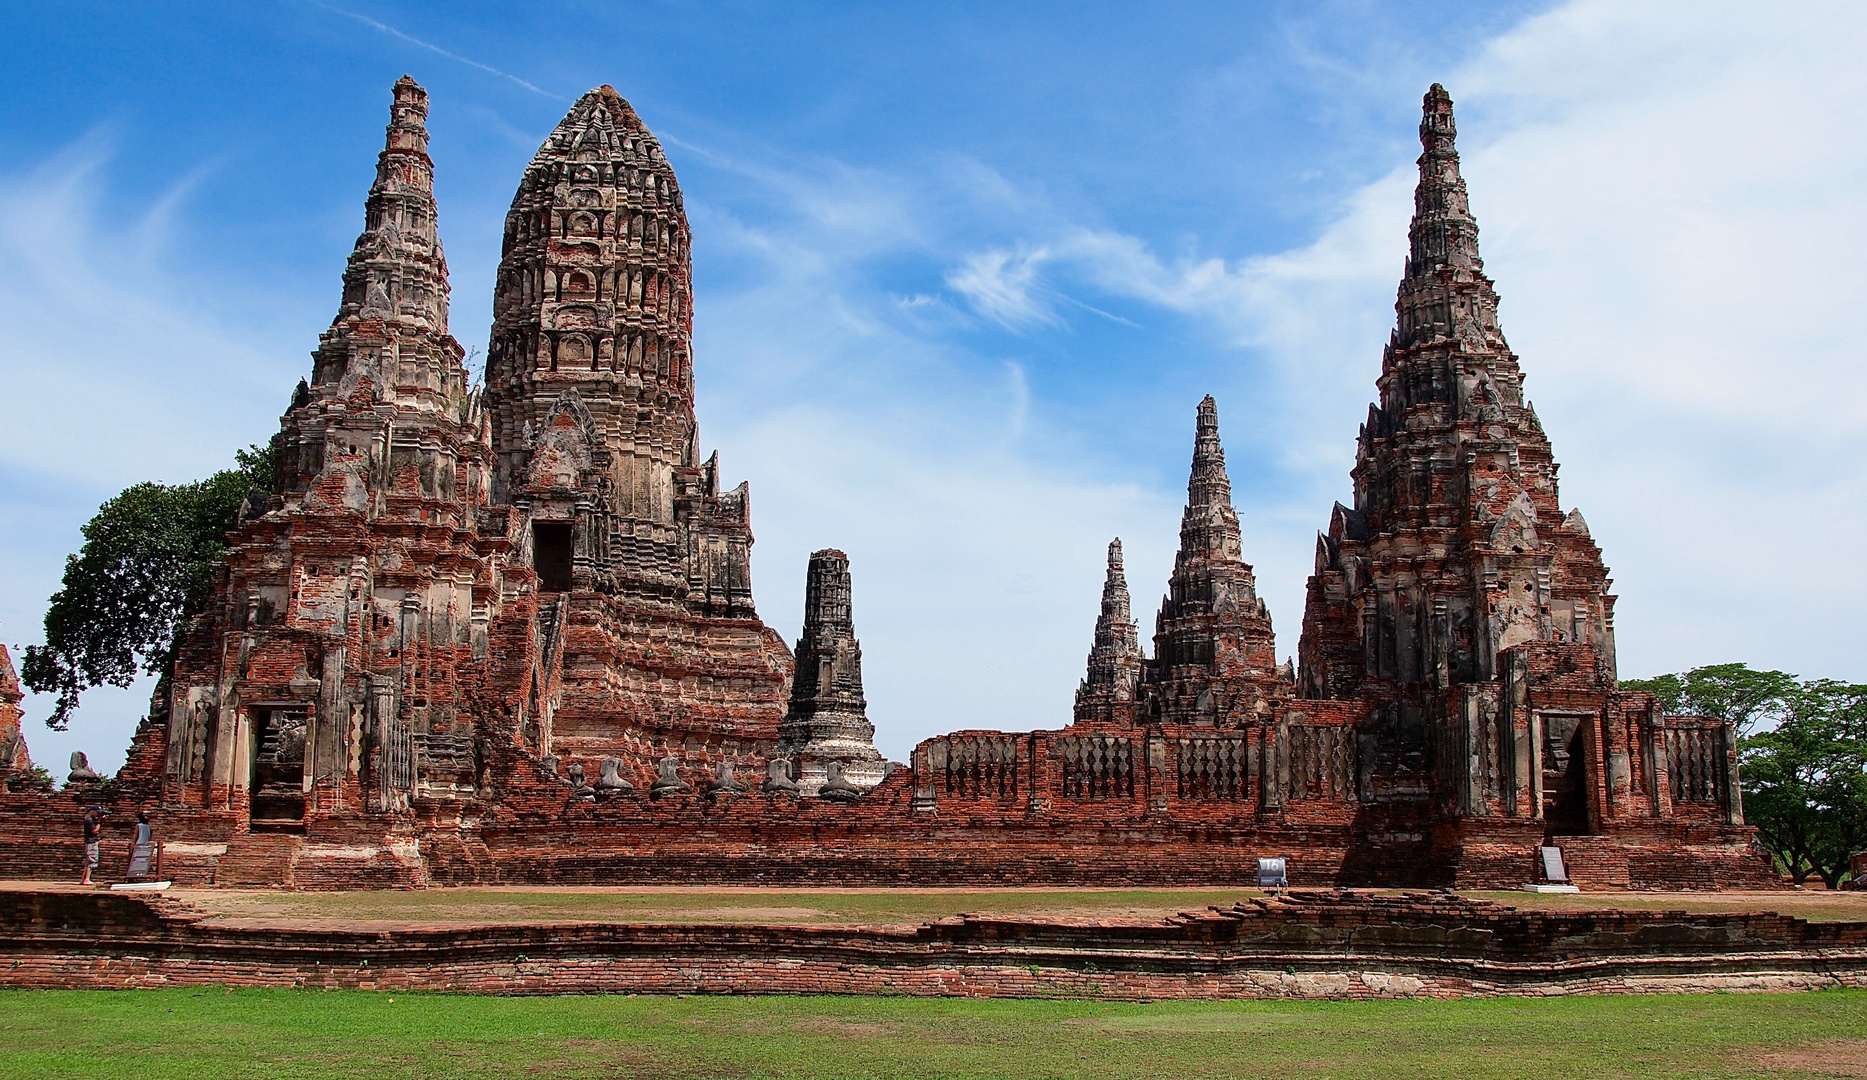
777 778
667 780
1315 763
81 772
611 780
445 765
579 783
724 782
979 766
1695 764
1097 766
1213 768
837 788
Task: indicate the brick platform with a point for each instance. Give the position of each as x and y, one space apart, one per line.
1320 945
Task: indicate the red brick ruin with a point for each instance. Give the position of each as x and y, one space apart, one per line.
507 634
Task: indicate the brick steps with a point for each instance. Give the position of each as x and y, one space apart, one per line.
259 859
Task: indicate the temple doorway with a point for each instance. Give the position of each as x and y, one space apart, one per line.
1565 787
551 554
278 781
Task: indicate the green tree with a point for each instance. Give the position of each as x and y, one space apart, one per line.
146 568
1733 693
1805 780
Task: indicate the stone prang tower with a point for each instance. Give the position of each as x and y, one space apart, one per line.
828 719
643 563
1215 654
325 674
1456 550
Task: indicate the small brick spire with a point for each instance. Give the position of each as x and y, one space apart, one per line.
1115 660
1443 229
1209 525
1212 630
397 269
828 717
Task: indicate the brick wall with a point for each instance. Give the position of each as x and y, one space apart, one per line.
1326 944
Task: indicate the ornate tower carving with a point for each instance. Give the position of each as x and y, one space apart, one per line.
1215 655
590 370
1457 547
1109 690
386 424
828 719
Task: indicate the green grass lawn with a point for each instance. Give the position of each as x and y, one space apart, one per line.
204 1035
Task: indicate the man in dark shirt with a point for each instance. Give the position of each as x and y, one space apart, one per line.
93 835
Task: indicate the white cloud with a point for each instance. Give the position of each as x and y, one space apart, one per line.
1674 209
119 365
999 285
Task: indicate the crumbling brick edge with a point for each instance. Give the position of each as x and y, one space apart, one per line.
1319 945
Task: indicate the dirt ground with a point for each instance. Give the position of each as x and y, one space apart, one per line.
889 906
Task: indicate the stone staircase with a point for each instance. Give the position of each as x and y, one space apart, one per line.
259 859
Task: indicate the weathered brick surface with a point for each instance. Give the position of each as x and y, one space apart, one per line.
1330 945
508 635
15 760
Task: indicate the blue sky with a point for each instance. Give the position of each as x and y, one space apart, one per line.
963 271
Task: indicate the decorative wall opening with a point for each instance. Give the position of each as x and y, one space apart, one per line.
278 781
551 554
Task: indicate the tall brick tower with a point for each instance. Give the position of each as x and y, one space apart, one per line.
590 387
1116 666
324 677
1215 654
1457 549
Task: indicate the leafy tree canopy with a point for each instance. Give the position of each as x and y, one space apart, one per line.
146 568
1805 781
1804 774
1733 693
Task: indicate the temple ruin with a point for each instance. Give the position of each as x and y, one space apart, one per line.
507 633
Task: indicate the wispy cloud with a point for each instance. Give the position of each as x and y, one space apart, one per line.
1003 286
1687 315
115 370
433 48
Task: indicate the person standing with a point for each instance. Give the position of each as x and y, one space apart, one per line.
93 837
142 849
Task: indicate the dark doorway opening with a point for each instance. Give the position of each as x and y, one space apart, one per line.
1565 778
278 784
551 548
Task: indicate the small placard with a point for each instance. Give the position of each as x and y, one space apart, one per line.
1271 874
1552 865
